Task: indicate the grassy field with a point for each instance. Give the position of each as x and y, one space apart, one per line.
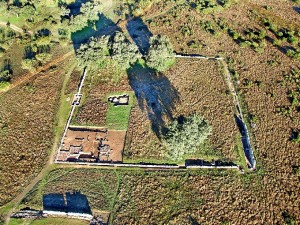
259 75
190 86
99 187
117 117
64 105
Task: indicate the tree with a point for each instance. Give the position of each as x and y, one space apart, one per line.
91 10
94 51
7 37
89 14
29 64
5 75
43 57
123 51
185 135
161 54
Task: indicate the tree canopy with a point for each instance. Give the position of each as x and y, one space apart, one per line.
89 14
95 50
161 54
123 51
5 75
184 136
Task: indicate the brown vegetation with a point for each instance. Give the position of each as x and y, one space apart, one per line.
200 89
259 82
27 116
170 197
93 113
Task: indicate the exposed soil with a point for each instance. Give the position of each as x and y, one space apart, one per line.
116 140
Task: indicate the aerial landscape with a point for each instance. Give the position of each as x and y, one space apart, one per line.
149 112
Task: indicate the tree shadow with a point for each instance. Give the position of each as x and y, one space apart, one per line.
193 221
297 9
139 33
294 134
282 49
69 202
104 26
29 53
155 95
43 32
7 66
202 162
74 7
245 141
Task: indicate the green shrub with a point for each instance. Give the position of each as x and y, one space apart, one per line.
161 54
227 3
29 64
209 27
245 44
123 51
43 57
185 136
7 37
293 54
96 50
206 6
5 75
186 31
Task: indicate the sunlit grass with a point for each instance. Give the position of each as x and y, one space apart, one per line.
117 117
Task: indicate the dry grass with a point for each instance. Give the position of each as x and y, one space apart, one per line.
277 156
270 196
170 197
27 115
97 185
194 86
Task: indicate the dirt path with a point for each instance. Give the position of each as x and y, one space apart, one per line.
15 28
29 75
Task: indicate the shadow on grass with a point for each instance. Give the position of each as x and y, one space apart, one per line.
282 49
104 26
245 141
193 221
297 9
139 33
68 202
74 7
155 95
201 162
